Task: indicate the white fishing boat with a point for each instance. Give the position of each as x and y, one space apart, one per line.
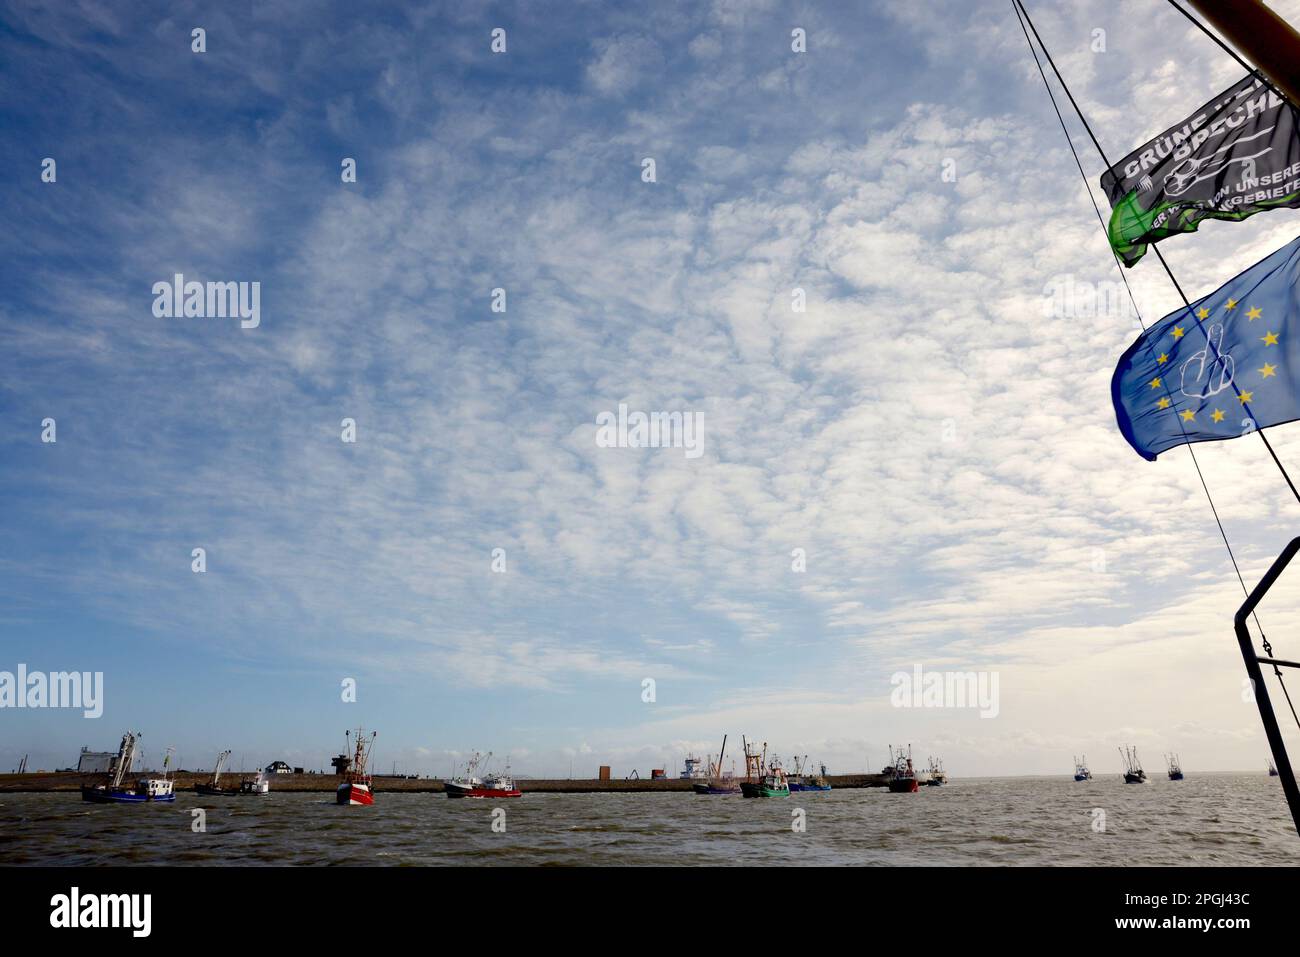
259 785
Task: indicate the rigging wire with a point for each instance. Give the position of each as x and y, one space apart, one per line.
1172 278
1023 16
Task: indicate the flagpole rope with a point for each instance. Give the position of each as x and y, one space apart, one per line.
1018 6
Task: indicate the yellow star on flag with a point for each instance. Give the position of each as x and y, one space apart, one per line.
1178 332
1202 313
1254 313
1217 415
1270 339
1268 370
1163 359
1163 403
1246 397
1188 415
1155 383
1232 304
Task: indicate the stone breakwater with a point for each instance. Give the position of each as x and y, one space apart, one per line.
185 781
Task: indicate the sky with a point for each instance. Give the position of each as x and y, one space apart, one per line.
938 443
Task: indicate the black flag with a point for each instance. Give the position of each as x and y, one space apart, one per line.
1235 156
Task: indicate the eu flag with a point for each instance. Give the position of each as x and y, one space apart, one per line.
1221 369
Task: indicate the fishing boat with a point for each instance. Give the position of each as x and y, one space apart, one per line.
1272 769
146 789
357 786
259 785
492 785
468 780
1133 773
801 780
1175 769
902 779
213 787
717 782
1081 772
936 776
763 779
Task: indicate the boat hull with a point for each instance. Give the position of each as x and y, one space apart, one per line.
1131 778
1175 775
751 790
904 786
354 794
107 796
1083 777
714 789
209 790
810 787
480 793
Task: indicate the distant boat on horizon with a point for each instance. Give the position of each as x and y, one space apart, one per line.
1133 773
1175 769
935 775
1272 769
1081 772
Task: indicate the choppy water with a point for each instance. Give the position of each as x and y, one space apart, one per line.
1206 819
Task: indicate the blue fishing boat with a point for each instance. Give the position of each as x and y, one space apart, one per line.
117 791
1081 772
801 780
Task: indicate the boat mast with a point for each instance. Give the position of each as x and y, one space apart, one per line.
222 758
125 755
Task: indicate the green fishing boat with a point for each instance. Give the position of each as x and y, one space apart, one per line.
761 778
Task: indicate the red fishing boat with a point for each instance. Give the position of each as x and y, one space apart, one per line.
902 777
357 786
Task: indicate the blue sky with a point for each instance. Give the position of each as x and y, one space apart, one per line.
943 451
